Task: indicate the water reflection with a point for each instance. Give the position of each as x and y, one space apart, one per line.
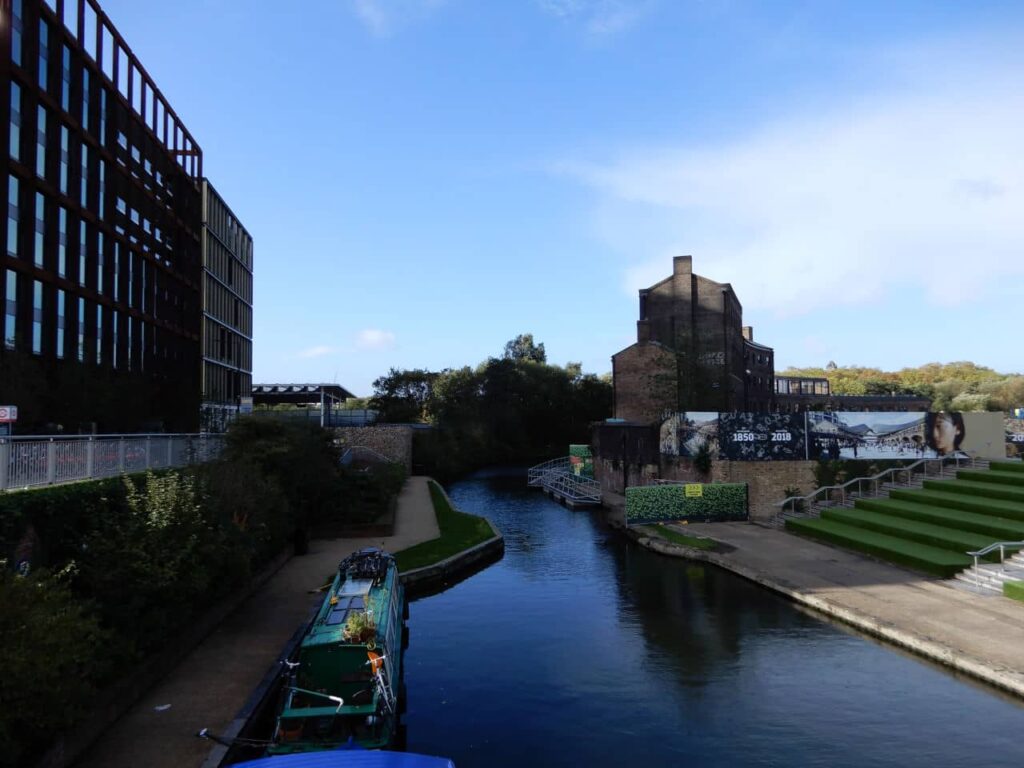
579 648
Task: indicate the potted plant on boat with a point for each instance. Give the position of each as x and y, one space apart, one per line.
360 627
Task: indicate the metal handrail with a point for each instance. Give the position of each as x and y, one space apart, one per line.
536 474
1000 545
808 501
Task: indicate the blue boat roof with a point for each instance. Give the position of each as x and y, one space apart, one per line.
349 758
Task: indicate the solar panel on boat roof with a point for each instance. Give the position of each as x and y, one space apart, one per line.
339 613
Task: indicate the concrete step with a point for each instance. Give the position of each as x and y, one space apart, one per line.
989 577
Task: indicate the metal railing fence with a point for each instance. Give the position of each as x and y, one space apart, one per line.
37 460
869 487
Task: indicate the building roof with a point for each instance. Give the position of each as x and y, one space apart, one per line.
298 393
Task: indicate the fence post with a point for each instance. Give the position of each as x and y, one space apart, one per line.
5 462
90 457
170 449
149 443
51 462
120 454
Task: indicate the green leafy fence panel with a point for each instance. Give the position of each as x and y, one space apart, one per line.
581 460
699 502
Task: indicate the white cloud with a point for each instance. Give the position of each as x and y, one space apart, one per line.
382 16
921 187
598 18
319 351
373 338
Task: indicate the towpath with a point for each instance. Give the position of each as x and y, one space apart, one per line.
977 635
214 681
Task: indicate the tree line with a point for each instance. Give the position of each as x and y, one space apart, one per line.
513 408
959 386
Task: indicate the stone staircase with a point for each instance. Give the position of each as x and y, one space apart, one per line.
988 579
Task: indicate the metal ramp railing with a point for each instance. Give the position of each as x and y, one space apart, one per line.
557 476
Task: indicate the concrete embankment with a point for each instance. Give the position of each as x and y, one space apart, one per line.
979 636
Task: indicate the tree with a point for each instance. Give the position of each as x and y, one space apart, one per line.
402 396
522 348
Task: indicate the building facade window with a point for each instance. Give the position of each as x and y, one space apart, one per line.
99 334
41 142
117 271
61 298
37 317
103 187
83 249
85 176
64 160
99 262
16 31
15 130
65 78
81 329
39 240
85 99
11 311
13 216
113 332
44 53
62 242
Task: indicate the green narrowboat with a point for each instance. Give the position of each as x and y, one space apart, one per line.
343 686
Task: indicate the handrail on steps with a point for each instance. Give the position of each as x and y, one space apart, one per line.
810 499
1000 545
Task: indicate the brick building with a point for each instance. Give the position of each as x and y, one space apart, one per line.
692 352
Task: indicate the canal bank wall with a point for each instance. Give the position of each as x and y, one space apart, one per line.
978 636
431 578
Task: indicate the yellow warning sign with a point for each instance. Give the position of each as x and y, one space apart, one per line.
693 490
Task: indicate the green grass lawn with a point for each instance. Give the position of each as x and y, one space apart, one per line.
681 539
459 532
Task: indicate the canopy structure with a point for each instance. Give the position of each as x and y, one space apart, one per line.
318 395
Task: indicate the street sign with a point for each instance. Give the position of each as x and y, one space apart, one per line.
245 405
8 413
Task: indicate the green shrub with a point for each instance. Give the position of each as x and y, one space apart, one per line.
1014 590
50 660
717 501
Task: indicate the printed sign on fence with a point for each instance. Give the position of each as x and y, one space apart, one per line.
693 490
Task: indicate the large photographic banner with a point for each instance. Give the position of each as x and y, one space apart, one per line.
1014 436
762 436
856 435
981 433
839 435
683 434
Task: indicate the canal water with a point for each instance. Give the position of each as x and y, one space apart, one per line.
581 648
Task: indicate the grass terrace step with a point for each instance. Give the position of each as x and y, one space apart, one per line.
941 562
1008 477
1003 529
1007 466
940 536
970 487
980 505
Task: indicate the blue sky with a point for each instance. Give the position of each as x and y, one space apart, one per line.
425 179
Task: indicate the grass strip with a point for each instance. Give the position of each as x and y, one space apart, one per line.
992 476
681 539
941 562
459 531
933 535
999 527
990 490
1014 589
1007 466
968 503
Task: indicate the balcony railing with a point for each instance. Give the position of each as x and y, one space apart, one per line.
33 461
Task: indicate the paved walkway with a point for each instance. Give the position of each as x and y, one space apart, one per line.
213 682
982 636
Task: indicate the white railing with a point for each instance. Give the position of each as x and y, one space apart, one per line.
32 461
1002 546
537 474
868 487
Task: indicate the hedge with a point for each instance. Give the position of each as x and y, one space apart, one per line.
1014 589
694 501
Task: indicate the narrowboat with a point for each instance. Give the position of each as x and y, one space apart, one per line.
344 684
